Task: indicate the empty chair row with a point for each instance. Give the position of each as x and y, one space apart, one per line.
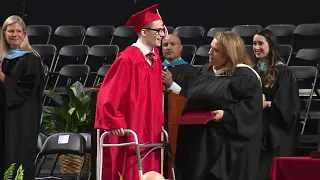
70 73
304 57
94 56
108 34
199 56
99 55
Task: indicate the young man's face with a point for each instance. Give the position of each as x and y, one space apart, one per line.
155 33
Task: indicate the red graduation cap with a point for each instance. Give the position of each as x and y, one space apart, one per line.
144 17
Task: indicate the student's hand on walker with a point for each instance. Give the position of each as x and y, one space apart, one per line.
118 132
217 114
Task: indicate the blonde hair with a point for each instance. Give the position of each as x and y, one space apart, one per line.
4 46
233 47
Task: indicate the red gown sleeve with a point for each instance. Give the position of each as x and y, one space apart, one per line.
115 84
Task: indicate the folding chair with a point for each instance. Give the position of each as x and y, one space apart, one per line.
123 36
69 54
250 53
46 72
47 53
39 34
283 32
72 54
95 35
73 72
99 55
286 52
246 32
202 55
170 29
188 52
308 57
190 34
306 79
62 143
306 36
198 67
68 35
101 73
87 137
212 33
164 146
41 140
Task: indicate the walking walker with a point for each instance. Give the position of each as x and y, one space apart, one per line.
165 146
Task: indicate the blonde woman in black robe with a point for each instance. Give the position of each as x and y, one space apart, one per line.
228 146
21 83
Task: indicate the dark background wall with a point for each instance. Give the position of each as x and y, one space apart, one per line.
208 13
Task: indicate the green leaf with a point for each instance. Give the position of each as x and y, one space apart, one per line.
78 89
9 172
20 173
54 96
76 95
71 113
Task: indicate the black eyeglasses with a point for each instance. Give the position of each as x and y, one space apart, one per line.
158 31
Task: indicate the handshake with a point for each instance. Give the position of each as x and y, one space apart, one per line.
264 102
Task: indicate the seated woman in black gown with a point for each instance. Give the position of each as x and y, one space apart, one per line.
228 147
281 112
21 82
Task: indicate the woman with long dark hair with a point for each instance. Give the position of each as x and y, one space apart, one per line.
281 112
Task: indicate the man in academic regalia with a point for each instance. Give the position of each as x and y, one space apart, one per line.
130 97
177 74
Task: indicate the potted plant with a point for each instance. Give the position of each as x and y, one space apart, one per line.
8 175
70 114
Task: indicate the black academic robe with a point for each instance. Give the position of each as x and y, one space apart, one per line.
206 69
227 149
20 112
281 120
183 75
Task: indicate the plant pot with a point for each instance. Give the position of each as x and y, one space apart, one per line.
71 164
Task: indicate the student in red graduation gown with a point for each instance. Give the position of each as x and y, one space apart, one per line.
281 114
228 146
21 90
130 97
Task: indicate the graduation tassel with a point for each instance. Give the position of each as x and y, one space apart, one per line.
165 28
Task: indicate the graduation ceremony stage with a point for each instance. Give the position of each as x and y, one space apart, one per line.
194 54
93 34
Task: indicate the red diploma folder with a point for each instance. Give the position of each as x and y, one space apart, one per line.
200 117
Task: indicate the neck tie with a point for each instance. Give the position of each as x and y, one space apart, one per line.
151 56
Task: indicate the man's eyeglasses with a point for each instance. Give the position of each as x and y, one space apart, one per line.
158 31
